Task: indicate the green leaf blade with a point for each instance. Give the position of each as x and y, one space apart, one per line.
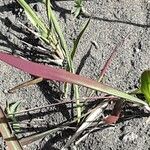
145 85
34 18
76 42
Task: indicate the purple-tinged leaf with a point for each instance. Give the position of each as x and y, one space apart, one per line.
108 62
115 115
61 75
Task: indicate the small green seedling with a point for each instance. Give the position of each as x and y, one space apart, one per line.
11 109
78 5
145 85
51 73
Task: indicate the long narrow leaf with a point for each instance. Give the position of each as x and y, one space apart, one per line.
58 29
108 62
48 10
53 31
35 137
76 42
61 75
76 89
25 84
35 20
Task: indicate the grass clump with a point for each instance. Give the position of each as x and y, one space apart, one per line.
52 34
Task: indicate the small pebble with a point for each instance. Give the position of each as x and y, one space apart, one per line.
129 137
5 91
95 44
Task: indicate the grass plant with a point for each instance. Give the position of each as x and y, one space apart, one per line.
50 73
52 34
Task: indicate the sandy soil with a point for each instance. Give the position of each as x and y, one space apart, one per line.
112 21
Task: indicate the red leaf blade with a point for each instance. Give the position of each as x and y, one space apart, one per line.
61 75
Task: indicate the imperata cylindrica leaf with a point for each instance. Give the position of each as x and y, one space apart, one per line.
51 73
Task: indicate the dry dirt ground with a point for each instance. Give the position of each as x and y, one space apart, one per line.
112 21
